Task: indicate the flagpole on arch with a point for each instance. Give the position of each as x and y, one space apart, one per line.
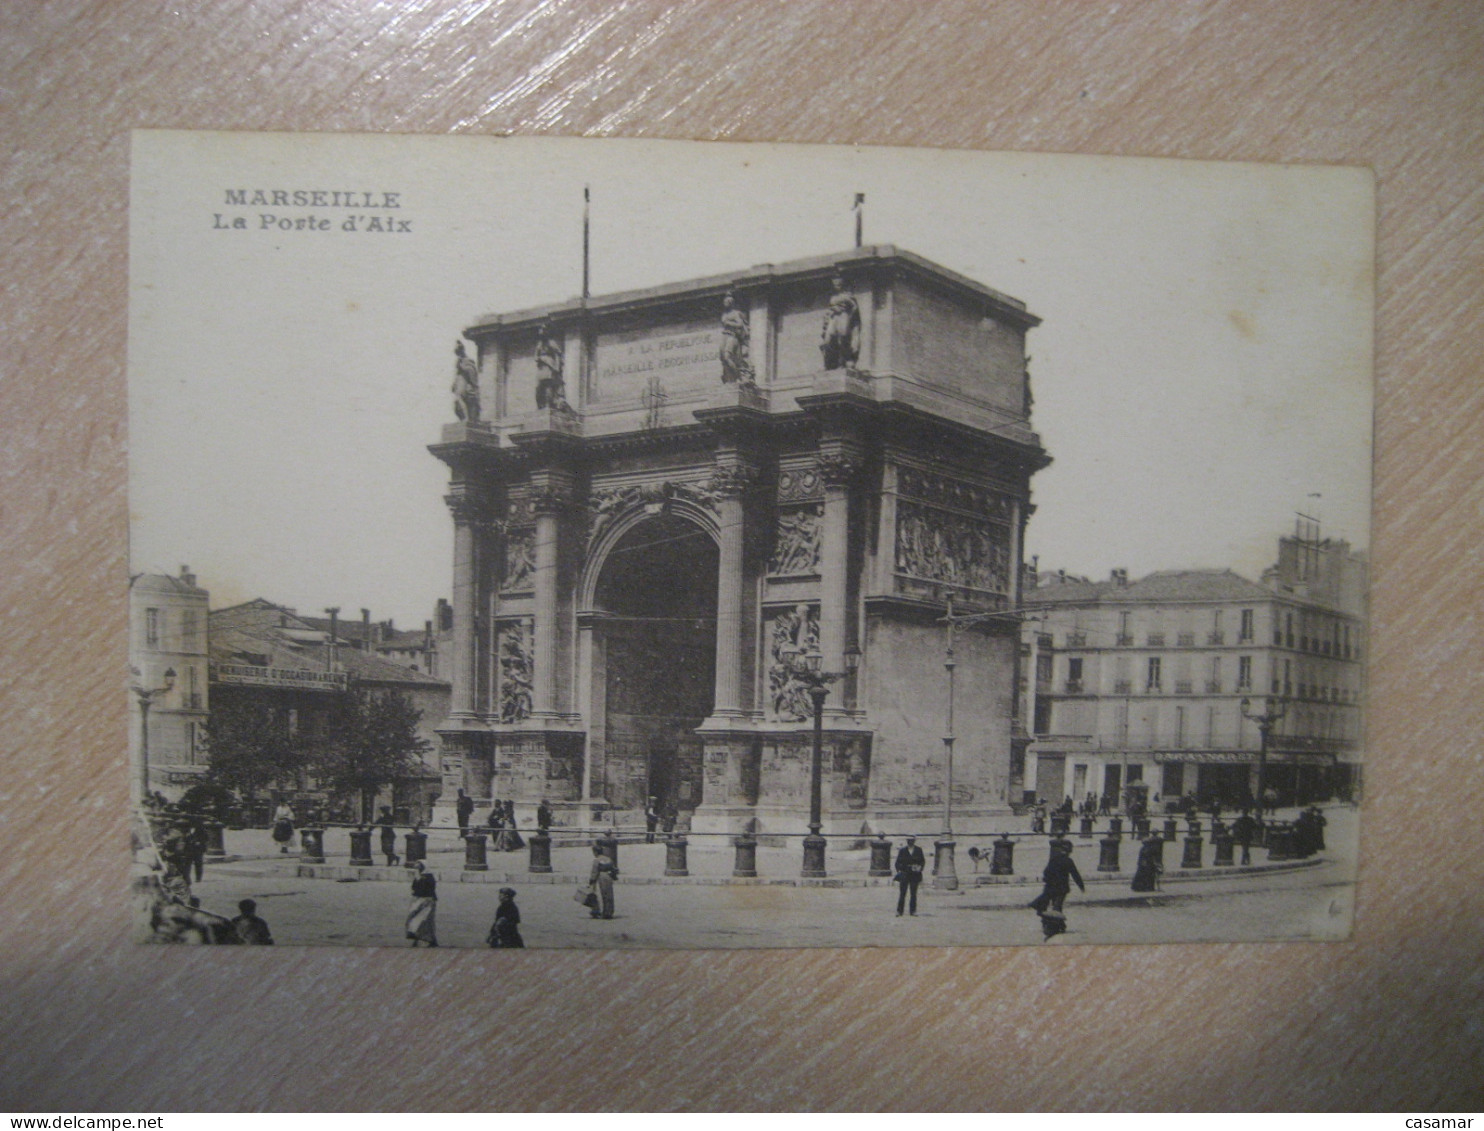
586 225
859 209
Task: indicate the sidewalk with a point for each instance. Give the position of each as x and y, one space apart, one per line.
710 859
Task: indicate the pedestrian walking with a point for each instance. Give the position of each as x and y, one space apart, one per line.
1150 866
505 931
195 847
463 809
422 915
909 865
249 928
600 880
283 826
1244 832
651 819
1318 821
1058 877
386 823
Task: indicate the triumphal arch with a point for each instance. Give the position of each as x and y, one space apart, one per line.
662 499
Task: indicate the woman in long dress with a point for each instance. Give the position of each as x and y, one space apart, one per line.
505 932
283 826
1150 865
421 916
600 880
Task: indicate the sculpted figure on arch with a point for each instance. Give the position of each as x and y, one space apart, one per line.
840 337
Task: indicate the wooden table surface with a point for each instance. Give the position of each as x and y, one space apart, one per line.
1389 1020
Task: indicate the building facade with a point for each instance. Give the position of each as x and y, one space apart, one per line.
1154 680
662 498
168 634
267 654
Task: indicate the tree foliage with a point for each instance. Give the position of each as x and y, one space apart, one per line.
250 745
371 741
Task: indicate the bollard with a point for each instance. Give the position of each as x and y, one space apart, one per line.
312 845
1004 857
745 866
1086 831
417 848
945 875
813 857
540 844
880 856
608 843
1061 824
1171 829
1141 829
474 852
215 843
1280 841
1192 857
360 848
1115 827
1222 840
675 856
1108 853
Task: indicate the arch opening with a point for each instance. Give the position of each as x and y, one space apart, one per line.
657 596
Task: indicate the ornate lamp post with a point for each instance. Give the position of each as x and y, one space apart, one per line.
945 876
1265 721
147 697
805 667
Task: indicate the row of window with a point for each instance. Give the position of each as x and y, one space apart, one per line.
157 631
1322 637
1282 682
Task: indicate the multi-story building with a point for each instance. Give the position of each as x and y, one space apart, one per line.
268 653
167 652
1158 680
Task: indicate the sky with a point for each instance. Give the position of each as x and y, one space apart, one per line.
1203 369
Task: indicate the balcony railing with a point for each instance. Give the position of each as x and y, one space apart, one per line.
1074 687
1122 686
1182 687
1124 640
1213 687
1185 639
1076 640
1215 638
1155 639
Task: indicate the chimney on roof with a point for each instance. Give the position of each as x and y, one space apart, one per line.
187 577
1119 577
443 614
1061 577
334 615
365 630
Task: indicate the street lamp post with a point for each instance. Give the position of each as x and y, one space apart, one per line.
147 697
1265 721
945 876
806 668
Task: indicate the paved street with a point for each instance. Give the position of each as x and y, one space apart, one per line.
1309 902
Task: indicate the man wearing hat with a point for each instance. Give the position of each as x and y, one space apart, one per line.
1058 877
910 863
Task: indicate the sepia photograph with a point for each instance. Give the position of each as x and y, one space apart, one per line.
608 544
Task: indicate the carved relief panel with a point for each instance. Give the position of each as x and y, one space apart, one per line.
798 629
796 541
513 643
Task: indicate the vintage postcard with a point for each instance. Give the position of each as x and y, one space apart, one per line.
599 543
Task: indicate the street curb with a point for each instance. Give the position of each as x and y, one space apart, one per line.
346 873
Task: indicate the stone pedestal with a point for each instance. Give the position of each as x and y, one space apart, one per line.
360 848
945 875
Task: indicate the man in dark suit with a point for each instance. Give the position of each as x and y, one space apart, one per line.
1060 872
463 808
910 863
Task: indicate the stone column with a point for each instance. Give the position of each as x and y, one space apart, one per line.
837 470
468 513
548 501
730 481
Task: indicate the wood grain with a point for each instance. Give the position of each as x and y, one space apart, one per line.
1391 1019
